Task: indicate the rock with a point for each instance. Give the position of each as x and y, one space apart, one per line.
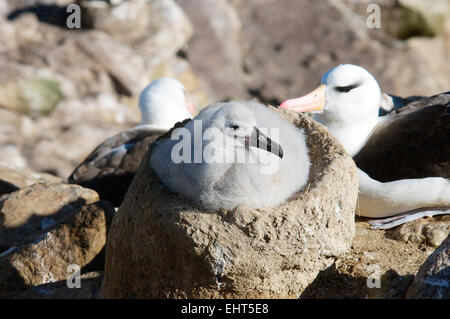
284 57
397 19
214 50
103 57
90 289
434 13
9 6
179 251
15 128
392 286
197 90
433 278
377 266
13 178
68 150
431 231
10 156
156 29
75 129
104 111
108 65
434 56
45 257
29 210
23 90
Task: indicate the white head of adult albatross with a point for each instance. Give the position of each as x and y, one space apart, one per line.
110 167
162 103
393 149
347 102
257 158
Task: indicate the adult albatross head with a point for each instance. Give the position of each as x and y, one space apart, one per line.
162 103
347 102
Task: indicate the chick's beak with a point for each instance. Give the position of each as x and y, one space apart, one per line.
261 141
313 101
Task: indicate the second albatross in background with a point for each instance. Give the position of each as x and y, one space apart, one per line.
110 167
395 149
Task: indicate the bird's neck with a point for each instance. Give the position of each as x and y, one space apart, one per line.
352 135
156 119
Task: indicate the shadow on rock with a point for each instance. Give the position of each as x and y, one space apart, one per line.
51 14
331 284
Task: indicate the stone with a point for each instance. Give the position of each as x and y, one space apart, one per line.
84 63
177 250
13 178
376 266
284 57
11 156
76 127
15 129
156 29
9 6
198 90
214 50
45 258
397 20
431 231
433 277
433 55
24 90
103 57
31 209
434 13
90 284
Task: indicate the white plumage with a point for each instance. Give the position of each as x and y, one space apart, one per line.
347 102
162 104
266 178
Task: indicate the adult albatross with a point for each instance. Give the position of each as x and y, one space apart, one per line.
230 154
396 154
110 167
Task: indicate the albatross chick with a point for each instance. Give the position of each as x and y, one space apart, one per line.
235 153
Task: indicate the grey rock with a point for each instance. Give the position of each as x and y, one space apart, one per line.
45 257
14 178
433 278
214 49
156 29
22 211
430 231
90 285
284 57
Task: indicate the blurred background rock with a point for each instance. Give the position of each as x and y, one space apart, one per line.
62 91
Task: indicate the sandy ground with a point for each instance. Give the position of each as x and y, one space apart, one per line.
378 266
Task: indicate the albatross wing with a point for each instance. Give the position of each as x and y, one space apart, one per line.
412 142
110 167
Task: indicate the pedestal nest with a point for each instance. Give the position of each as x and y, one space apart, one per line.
163 246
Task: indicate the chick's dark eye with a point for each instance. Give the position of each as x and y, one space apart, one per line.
235 127
345 88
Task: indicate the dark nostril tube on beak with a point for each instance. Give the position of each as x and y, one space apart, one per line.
261 141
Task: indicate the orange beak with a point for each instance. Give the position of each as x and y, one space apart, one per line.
190 107
313 101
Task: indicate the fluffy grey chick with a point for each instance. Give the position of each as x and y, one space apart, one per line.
235 153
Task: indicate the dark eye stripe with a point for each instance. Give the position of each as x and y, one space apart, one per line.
345 88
